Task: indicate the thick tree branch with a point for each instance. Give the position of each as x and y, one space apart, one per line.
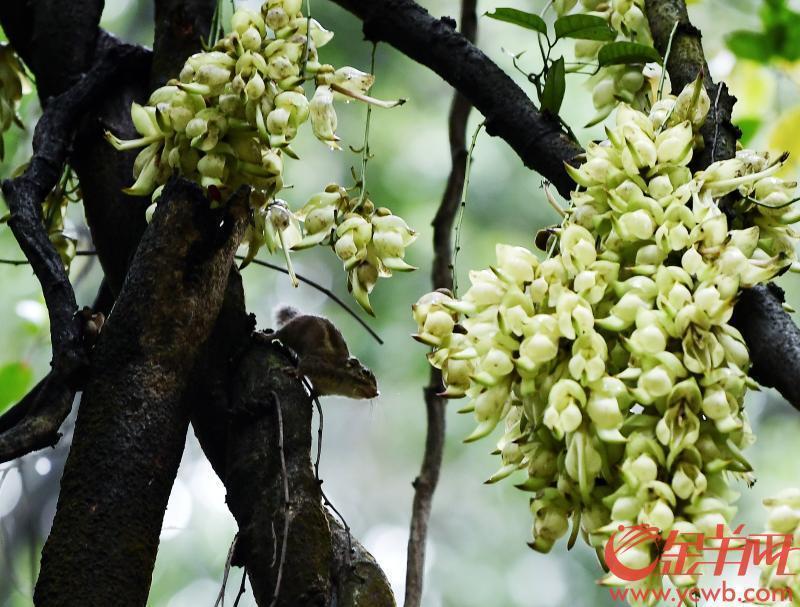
254 480
685 62
17 21
132 422
288 550
25 194
441 278
63 42
536 138
511 116
34 422
181 26
357 577
773 339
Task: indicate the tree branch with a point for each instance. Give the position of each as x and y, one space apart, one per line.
510 114
358 579
305 565
132 421
33 423
441 277
535 138
181 26
254 481
685 62
25 194
63 42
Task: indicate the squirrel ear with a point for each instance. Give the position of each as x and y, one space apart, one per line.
283 314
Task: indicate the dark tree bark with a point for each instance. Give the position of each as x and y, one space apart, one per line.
132 421
285 543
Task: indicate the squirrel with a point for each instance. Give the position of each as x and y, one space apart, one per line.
323 356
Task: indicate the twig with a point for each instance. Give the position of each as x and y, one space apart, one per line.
325 499
716 123
330 505
241 588
285 476
663 77
321 289
33 423
336 299
220 602
463 203
442 276
365 150
318 406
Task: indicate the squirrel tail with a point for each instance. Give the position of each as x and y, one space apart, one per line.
284 314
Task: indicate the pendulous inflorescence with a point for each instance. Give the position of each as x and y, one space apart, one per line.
229 120
612 364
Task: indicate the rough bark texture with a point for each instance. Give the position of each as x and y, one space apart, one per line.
509 112
116 220
181 25
132 422
117 224
33 423
359 580
136 406
772 337
685 62
255 482
63 42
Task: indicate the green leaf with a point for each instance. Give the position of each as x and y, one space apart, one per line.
585 27
616 53
15 379
554 87
521 18
750 45
749 127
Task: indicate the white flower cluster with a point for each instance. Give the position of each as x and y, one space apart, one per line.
783 518
618 83
13 85
370 242
612 363
229 120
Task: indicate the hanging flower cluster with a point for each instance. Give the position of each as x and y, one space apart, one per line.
617 83
612 363
230 118
370 242
783 518
13 85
